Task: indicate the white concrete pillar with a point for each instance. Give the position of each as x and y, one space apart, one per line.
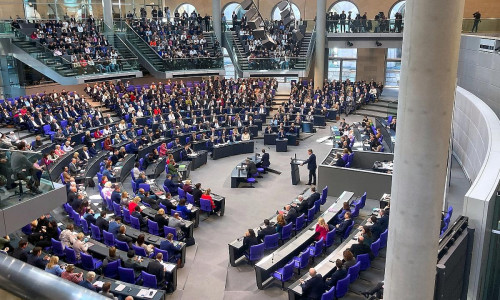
107 12
319 66
217 19
431 42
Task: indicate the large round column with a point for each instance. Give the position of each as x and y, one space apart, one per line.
319 59
107 13
217 19
431 42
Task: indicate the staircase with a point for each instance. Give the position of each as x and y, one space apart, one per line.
129 59
380 109
47 58
153 61
304 47
239 51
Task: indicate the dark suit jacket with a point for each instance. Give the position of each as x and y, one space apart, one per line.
268 230
311 162
291 215
251 168
37 261
314 287
265 160
313 198
88 285
340 163
156 268
338 275
126 239
303 207
197 195
116 197
102 223
358 249
343 226
21 254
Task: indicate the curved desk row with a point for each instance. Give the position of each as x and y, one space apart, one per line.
236 252
230 149
279 258
327 265
240 174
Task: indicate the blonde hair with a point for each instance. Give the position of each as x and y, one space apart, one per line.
53 261
80 235
161 211
137 199
322 222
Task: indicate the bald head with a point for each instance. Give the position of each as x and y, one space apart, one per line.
312 272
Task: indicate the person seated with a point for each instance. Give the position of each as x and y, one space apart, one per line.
215 208
141 179
69 275
53 267
36 260
123 237
155 267
142 220
140 243
114 226
170 185
197 193
114 158
302 207
174 251
87 283
148 198
116 195
339 274
179 224
340 161
264 160
133 262
79 245
167 202
187 187
161 219
108 172
342 227
321 230
184 211
290 214
112 256
267 230
251 168
101 221
21 252
249 240
315 196
361 248
67 236
314 287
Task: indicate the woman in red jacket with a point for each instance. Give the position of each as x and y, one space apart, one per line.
206 196
321 230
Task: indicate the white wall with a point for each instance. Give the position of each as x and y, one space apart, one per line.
479 72
476 145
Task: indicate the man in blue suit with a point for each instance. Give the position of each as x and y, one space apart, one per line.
87 283
311 166
172 250
170 185
134 147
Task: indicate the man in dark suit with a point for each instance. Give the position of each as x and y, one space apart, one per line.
340 162
291 215
339 274
311 166
264 160
36 260
123 237
142 221
170 185
133 262
314 287
116 195
315 196
20 252
156 268
87 283
251 168
134 147
342 227
303 205
172 250
101 221
267 230
381 225
361 248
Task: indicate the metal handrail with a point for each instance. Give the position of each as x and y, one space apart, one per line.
310 49
29 282
130 29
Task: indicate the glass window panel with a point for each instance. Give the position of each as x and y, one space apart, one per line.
333 69
276 15
185 8
392 73
230 8
394 53
349 70
343 52
345 6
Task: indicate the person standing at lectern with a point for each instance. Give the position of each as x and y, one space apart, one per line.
311 166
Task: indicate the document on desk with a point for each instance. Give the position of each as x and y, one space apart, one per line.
98 284
168 267
120 287
146 293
